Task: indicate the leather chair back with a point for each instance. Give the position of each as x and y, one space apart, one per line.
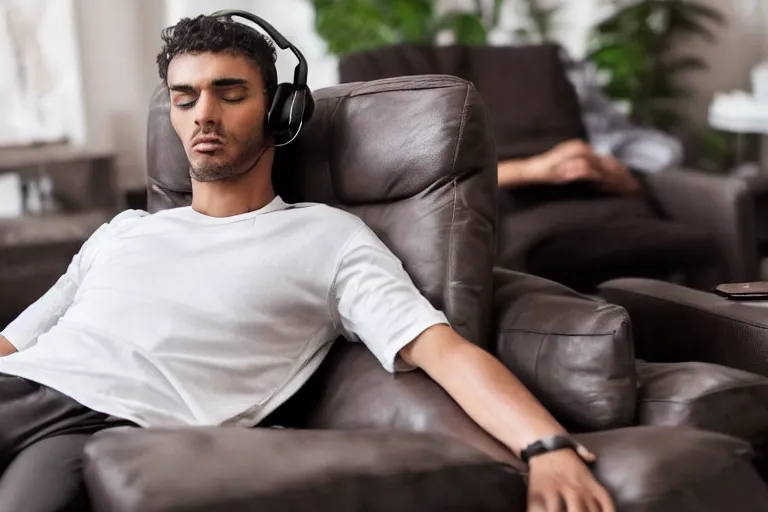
413 157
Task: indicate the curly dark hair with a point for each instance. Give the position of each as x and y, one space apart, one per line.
208 34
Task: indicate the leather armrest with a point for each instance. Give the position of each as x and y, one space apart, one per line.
574 353
670 469
675 324
351 391
722 205
237 470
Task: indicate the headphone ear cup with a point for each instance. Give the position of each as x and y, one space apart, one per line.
309 104
278 118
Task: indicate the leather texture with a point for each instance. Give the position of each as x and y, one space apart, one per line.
576 355
428 190
352 392
665 469
536 73
672 323
226 469
705 396
297 470
723 205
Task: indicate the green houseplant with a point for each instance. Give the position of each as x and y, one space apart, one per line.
636 48
357 25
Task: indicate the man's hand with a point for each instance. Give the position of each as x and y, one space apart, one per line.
498 402
559 481
6 348
615 177
568 162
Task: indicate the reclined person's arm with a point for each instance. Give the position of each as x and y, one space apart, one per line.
374 300
43 314
570 161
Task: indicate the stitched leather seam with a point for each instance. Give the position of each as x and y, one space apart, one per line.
450 248
536 331
449 277
694 307
462 124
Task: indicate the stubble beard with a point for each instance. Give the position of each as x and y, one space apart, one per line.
242 163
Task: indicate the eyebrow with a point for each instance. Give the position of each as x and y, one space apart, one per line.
218 83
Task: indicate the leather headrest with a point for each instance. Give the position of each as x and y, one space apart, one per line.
366 143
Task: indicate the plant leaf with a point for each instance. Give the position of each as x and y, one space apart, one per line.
467 28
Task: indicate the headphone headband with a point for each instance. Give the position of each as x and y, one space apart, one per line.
301 71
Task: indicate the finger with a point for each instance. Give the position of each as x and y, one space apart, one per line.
570 150
585 454
604 499
574 502
553 502
580 169
545 502
593 505
536 503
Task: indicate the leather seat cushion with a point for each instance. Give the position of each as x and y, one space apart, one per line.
675 469
705 396
232 469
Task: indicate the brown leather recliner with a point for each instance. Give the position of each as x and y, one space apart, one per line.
415 158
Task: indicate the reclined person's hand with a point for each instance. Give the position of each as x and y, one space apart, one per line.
560 481
615 177
567 162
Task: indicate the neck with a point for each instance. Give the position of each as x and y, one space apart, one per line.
226 198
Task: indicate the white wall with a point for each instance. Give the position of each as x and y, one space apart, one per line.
118 43
742 44
294 19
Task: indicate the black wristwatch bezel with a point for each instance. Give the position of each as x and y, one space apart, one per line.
551 444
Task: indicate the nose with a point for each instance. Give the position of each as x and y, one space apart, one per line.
207 110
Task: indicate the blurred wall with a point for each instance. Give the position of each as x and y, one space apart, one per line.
742 44
118 42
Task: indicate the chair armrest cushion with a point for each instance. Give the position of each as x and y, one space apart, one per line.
673 323
574 353
722 205
232 469
669 469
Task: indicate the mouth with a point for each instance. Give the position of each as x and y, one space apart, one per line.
207 145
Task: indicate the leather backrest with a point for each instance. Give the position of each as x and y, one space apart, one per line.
413 157
533 104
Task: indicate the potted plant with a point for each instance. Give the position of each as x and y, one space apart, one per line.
637 46
357 25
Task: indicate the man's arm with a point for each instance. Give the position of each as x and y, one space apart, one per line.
567 162
5 347
501 405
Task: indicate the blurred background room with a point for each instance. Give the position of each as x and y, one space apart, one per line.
691 75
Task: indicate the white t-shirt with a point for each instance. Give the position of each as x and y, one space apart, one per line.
178 318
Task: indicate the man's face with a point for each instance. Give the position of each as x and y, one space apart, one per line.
218 110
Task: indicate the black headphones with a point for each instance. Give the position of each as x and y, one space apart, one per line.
292 103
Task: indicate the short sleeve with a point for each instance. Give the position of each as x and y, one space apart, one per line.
374 300
43 314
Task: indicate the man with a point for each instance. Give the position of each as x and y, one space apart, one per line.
574 212
214 314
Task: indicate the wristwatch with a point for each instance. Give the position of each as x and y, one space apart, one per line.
553 444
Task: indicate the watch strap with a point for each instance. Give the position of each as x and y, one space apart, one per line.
548 445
